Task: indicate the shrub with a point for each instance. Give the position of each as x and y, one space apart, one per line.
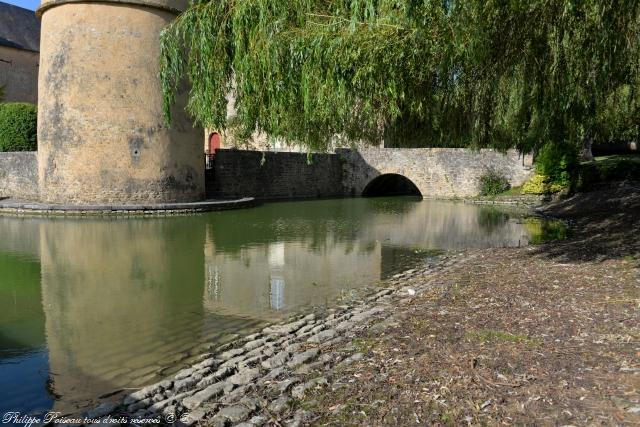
493 182
541 184
535 185
18 127
558 164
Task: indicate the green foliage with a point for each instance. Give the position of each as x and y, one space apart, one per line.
492 183
618 118
557 162
18 127
541 184
535 185
1 93
460 73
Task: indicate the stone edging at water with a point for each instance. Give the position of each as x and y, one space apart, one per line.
19 207
528 200
256 379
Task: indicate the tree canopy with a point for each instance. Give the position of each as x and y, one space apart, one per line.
479 73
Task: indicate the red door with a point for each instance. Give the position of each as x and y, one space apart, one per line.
214 142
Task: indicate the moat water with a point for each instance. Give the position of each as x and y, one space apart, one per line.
89 306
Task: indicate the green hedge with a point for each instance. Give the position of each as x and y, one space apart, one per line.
18 127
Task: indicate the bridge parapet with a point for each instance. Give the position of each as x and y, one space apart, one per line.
437 172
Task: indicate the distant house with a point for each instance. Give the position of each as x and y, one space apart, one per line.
19 53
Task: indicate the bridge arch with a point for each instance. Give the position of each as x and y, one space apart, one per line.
391 184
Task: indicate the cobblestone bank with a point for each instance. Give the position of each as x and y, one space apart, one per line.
256 379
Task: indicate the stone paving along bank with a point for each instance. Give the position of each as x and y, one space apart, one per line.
256 379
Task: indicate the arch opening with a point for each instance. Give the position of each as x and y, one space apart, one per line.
391 184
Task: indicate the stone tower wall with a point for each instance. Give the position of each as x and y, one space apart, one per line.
101 133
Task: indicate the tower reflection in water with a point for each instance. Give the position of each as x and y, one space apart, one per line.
276 275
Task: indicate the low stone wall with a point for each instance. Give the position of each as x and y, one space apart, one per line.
437 172
281 175
19 175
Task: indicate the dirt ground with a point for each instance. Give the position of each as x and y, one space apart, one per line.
543 335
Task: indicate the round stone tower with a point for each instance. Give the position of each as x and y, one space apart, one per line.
102 137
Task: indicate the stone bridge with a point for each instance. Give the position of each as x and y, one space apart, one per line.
430 172
433 172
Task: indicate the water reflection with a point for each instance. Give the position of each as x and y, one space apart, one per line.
112 292
89 306
22 335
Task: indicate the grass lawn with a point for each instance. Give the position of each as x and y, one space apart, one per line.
616 158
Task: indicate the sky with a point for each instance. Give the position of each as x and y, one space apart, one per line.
27 4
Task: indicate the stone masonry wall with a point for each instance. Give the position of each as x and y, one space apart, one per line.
19 74
437 172
283 175
19 175
102 137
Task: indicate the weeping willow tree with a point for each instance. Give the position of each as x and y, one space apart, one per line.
478 73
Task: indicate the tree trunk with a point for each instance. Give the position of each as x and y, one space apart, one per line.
585 153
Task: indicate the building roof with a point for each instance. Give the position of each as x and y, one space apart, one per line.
19 28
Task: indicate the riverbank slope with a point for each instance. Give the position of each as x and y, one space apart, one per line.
539 335
545 335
